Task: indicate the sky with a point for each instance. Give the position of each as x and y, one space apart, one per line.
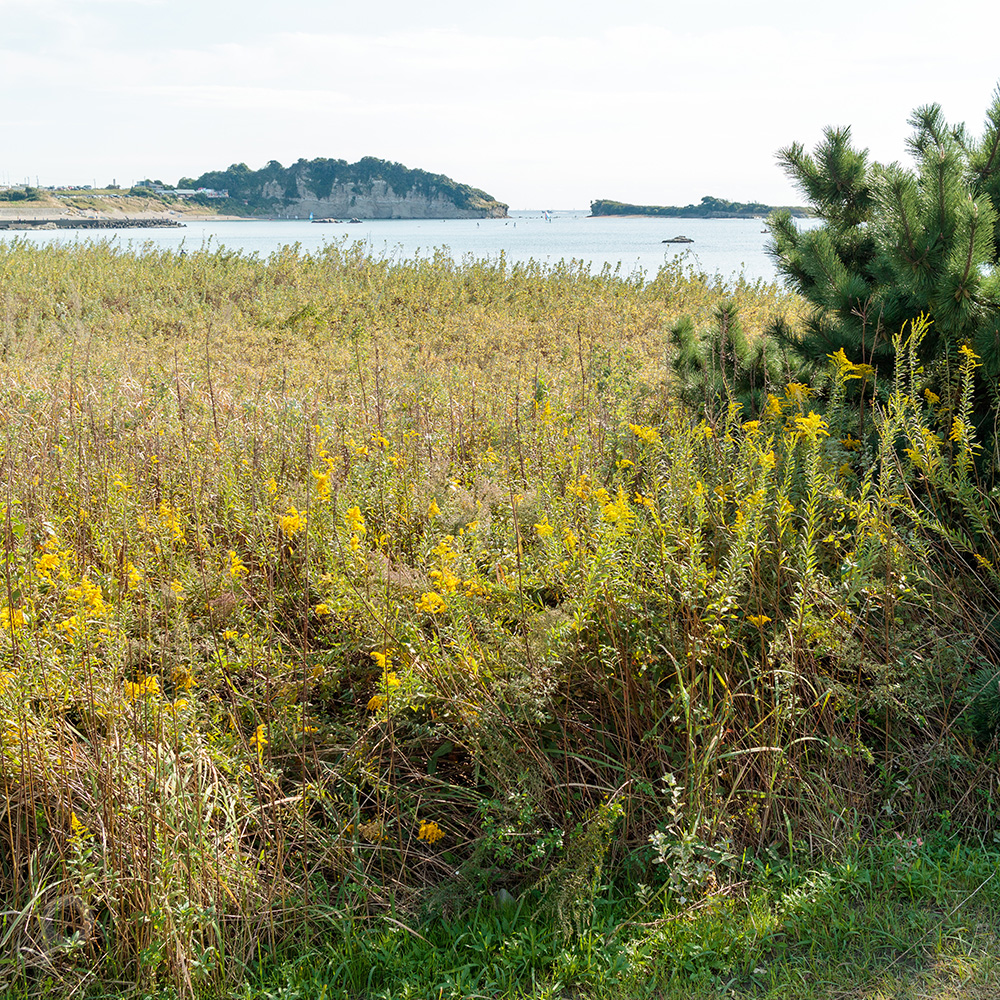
541 103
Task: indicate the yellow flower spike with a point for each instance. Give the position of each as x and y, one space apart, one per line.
376 701
271 486
543 528
758 621
355 521
177 588
970 355
141 688
292 523
812 427
237 568
382 659
12 619
649 435
433 510
322 485
78 828
431 603
430 832
322 610
259 738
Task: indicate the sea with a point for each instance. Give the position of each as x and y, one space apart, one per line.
724 248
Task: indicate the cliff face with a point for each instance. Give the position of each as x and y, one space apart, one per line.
374 200
369 189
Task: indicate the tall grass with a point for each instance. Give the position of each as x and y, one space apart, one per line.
336 583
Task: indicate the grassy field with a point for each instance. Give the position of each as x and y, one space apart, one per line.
387 628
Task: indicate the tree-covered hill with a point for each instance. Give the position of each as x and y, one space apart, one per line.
709 208
274 188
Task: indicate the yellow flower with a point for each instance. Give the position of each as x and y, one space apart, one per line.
431 603
236 566
292 523
758 621
650 435
322 610
433 510
774 406
142 687
430 831
382 659
12 619
354 520
376 701
78 828
259 738
178 589
183 679
445 580
812 427
272 486
543 528
322 485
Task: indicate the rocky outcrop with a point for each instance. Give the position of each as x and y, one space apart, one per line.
375 200
369 189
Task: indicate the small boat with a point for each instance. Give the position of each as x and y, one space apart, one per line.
679 239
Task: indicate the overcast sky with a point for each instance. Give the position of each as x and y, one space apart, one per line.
542 103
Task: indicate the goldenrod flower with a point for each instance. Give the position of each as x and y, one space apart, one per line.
650 435
812 427
177 588
431 603
355 521
183 679
322 610
292 523
143 686
429 831
259 738
12 619
322 485
758 621
543 528
376 701
237 568
433 510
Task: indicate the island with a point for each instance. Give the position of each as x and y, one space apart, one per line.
335 189
709 208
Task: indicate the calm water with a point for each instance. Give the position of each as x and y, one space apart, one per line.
726 247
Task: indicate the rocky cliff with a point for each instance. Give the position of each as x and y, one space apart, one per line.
368 189
376 200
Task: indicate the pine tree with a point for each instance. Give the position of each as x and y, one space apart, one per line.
896 243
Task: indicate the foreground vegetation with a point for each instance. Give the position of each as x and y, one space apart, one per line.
374 626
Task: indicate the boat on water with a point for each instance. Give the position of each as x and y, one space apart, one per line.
679 239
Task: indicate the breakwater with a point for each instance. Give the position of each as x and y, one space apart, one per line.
105 223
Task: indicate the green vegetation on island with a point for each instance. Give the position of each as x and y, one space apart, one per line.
275 189
709 208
